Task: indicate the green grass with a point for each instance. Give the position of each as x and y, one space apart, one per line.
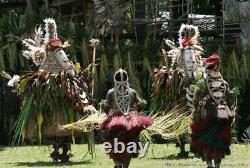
159 156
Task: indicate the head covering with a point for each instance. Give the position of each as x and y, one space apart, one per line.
121 76
121 89
188 35
52 41
217 86
50 29
212 61
47 52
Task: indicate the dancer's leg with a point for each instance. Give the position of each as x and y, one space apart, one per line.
208 160
65 156
183 152
126 165
117 165
55 154
217 163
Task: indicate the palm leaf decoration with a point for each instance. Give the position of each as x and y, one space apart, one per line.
24 115
87 124
49 99
169 124
166 89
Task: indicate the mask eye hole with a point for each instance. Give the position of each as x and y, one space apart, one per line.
118 77
125 77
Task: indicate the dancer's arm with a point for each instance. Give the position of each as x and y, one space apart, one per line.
139 102
231 100
108 101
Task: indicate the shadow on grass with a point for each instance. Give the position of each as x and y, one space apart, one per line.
2 148
43 164
171 157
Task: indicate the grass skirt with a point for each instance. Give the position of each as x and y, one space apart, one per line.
211 136
126 129
49 100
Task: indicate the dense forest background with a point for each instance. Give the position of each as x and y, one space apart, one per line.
129 42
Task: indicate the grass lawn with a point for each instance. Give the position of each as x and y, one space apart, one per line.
158 156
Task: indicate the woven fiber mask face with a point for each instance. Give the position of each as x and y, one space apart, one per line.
190 61
122 91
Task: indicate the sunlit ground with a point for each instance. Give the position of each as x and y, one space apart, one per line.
158 156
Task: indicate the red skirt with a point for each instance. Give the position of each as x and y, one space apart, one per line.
126 129
211 136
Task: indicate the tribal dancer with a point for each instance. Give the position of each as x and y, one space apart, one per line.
54 95
124 122
212 114
183 67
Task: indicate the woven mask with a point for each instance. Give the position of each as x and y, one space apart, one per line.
122 91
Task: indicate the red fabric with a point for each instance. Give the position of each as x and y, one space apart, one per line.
201 125
126 129
213 153
213 60
186 43
51 46
133 122
225 132
55 40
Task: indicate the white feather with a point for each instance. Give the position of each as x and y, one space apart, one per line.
170 44
194 38
48 21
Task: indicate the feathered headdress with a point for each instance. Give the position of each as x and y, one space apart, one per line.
50 29
188 35
35 49
39 36
34 52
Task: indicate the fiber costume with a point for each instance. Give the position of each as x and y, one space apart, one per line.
183 67
124 121
212 114
52 96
